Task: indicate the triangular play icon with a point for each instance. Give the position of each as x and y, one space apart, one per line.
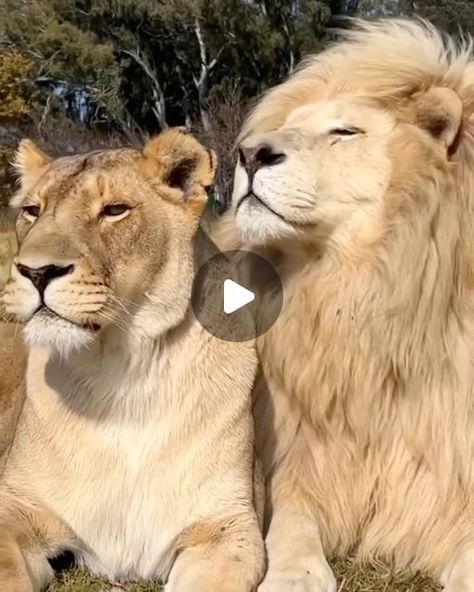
236 296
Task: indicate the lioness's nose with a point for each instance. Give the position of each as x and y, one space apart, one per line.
253 158
42 276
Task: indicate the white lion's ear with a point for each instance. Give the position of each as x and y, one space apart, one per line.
30 163
439 111
179 160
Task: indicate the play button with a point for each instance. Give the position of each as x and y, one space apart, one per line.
236 295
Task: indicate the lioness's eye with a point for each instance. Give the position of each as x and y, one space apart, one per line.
31 212
114 210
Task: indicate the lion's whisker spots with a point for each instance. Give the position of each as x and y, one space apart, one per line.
91 307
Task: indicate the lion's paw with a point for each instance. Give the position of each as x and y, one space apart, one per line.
464 585
291 581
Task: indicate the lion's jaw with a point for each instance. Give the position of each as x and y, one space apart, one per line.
46 329
118 320
333 172
105 242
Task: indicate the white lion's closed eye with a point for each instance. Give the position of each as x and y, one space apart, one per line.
344 132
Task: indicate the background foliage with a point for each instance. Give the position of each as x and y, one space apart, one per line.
82 73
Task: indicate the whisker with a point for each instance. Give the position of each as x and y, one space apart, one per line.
116 323
111 316
122 306
126 302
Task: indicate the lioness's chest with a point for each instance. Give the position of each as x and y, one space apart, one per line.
122 502
118 489
125 482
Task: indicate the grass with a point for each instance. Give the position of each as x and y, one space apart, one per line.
377 577
76 581
352 577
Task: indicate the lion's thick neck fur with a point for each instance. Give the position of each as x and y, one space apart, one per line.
369 368
371 325
373 351
385 320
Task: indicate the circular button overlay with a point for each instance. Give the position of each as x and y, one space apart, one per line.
237 295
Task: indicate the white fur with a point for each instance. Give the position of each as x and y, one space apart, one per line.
58 334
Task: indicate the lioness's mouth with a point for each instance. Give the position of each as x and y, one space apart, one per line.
260 200
45 312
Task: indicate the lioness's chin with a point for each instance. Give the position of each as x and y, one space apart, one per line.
260 226
58 334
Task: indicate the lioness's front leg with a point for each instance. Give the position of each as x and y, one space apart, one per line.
14 573
24 565
225 556
29 535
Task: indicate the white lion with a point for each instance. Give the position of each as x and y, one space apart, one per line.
356 178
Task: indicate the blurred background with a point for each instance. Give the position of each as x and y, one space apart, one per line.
77 74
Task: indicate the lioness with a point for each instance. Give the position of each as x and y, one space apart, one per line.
356 178
134 445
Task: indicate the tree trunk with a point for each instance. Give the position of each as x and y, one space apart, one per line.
159 103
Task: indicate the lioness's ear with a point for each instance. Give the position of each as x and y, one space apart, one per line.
30 163
179 160
439 111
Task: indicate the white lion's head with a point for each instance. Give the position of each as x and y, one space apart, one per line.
340 149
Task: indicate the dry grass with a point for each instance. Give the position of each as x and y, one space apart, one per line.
77 581
352 577
377 577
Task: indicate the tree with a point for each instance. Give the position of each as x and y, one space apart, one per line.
43 31
379 8
14 106
449 15
14 71
128 68
146 64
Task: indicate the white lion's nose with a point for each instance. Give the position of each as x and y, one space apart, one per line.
253 158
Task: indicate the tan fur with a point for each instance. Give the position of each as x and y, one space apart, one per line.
133 446
365 414
8 245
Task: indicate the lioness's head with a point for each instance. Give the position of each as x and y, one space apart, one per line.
340 149
104 237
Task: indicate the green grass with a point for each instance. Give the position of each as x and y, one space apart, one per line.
351 576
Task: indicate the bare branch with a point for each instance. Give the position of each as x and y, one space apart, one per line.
202 82
159 107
